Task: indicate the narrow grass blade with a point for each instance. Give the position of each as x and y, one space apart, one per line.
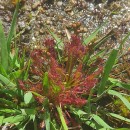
36 94
88 109
12 29
95 126
2 71
3 48
92 124
9 92
46 115
27 70
85 117
35 125
1 120
122 98
100 121
7 102
62 118
14 119
10 111
28 112
47 120
78 112
53 126
14 59
6 81
60 44
122 129
119 83
119 117
93 35
123 41
121 46
103 39
109 64
15 75
94 57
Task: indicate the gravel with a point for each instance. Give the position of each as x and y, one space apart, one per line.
36 15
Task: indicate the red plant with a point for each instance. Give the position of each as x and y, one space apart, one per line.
68 83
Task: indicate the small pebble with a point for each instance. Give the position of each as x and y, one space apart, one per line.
2 7
59 3
85 29
49 22
35 5
21 24
41 31
7 18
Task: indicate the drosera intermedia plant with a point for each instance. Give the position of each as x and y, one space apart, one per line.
62 82
20 109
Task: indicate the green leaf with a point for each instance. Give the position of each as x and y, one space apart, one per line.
2 71
94 125
93 35
6 81
123 41
9 92
103 39
60 44
53 126
109 64
78 112
35 125
3 48
28 98
122 98
21 125
36 94
119 117
15 74
85 117
28 111
46 82
122 129
62 118
12 29
14 119
119 83
46 115
47 119
14 59
88 105
32 117
10 111
1 120
8 102
94 57
27 69
100 121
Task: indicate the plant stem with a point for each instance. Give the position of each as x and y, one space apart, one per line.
35 125
62 118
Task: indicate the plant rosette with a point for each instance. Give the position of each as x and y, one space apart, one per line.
60 75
